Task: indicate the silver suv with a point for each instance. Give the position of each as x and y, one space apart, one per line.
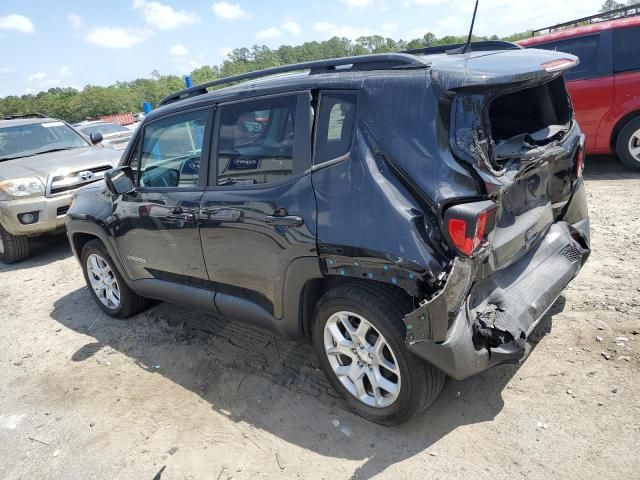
42 162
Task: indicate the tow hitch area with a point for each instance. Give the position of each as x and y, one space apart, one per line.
470 325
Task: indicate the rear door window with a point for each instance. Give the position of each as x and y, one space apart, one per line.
257 140
586 48
626 49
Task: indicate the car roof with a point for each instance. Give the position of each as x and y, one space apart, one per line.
579 31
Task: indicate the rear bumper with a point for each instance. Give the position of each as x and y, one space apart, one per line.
495 316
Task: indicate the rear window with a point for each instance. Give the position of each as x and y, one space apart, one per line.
626 49
586 48
103 128
336 120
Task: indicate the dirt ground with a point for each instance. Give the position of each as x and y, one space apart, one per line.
85 396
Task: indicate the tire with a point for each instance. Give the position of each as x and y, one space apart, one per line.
13 248
418 383
628 138
129 303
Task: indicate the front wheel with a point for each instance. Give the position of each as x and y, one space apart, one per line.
13 248
106 284
628 144
358 335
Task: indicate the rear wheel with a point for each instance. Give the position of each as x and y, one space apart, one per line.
13 248
358 335
106 284
628 144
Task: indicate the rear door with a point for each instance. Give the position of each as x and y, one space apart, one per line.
157 225
259 211
626 64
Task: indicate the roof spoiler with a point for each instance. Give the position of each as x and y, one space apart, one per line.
473 47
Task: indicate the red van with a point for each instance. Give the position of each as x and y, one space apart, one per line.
605 87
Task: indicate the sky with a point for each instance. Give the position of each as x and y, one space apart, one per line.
46 44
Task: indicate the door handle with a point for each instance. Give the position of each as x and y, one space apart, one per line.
284 220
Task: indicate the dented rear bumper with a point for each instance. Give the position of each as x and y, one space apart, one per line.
475 323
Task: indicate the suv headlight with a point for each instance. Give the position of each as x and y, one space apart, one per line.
22 187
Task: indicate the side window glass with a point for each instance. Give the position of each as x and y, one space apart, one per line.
171 150
626 49
334 130
585 48
256 140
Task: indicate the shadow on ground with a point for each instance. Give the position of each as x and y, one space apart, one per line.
44 250
608 167
265 381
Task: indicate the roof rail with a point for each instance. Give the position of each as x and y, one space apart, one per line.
385 61
26 115
484 45
627 11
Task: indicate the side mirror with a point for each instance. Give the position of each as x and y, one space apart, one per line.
120 180
96 138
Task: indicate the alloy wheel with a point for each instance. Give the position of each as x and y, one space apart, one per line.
103 281
362 359
634 145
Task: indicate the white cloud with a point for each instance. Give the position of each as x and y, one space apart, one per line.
17 22
115 37
164 17
76 22
179 50
268 33
292 27
389 27
64 72
347 31
6 70
229 11
358 3
37 77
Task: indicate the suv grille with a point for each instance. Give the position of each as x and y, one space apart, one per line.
571 253
64 183
62 210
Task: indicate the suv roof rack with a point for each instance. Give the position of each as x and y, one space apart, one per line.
626 11
385 61
26 115
484 45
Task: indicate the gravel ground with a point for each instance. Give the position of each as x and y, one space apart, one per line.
85 396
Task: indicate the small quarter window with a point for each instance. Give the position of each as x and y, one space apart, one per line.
334 131
256 141
171 150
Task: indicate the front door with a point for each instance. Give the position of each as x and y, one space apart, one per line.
259 213
158 234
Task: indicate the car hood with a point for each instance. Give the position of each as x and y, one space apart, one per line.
47 163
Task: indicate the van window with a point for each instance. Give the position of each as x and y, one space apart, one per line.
334 131
256 141
626 49
586 48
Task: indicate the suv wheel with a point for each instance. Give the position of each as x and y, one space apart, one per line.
13 248
106 285
628 144
358 335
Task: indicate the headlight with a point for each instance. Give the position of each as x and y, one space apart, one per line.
22 187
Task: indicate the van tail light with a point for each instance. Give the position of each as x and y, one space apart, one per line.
469 224
580 159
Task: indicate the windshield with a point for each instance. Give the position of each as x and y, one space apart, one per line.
103 128
34 138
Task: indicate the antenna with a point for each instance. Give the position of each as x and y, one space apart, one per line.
465 47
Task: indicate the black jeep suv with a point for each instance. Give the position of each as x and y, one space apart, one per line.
412 215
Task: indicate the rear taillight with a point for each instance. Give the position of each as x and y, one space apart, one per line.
559 64
468 225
